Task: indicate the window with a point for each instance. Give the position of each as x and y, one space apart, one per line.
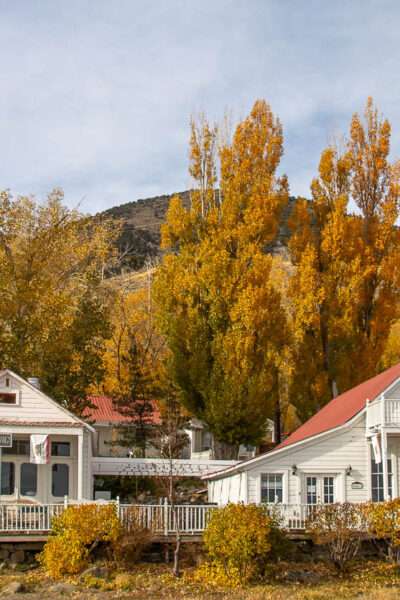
377 480
8 398
60 449
320 489
271 488
329 493
206 441
28 482
18 448
60 480
7 478
311 486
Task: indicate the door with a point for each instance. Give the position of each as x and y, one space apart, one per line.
320 489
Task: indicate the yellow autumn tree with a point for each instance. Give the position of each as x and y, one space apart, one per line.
219 310
345 247
53 297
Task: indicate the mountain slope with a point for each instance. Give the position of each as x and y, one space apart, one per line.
142 220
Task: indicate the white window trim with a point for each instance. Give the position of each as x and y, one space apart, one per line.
285 483
339 483
8 390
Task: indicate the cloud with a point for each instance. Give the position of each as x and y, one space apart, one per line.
97 95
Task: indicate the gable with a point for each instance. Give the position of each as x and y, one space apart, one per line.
32 405
393 392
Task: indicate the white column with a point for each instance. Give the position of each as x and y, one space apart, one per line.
80 465
384 464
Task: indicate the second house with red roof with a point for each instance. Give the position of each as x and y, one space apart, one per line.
347 452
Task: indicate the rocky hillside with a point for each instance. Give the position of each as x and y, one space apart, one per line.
142 219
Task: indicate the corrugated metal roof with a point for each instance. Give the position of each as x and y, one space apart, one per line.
105 411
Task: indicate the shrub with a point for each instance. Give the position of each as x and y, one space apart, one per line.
238 541
74 536
340 527
134 539
383 520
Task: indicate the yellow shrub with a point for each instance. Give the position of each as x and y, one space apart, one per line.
238 540
75 534
383 519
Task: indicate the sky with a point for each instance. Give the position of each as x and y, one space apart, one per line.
96 95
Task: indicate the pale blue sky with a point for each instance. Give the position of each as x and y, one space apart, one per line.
96 96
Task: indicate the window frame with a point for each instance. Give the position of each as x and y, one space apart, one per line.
320 477
13 470
378 473
22 465
9 391
58 464
272 473
62 442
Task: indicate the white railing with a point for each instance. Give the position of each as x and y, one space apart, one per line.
383 411
166 519
28 517
292 516
162 519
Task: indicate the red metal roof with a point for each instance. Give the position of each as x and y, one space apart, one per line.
105 411
344 407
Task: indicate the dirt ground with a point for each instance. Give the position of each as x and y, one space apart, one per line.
366 581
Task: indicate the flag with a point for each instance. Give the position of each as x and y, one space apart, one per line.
40 449
376 448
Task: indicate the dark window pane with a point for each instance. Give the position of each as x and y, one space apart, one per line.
28 479
271 487
7 398
18 448
7 478
60 480
60 449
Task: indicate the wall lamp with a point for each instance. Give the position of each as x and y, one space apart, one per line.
294 469
349 470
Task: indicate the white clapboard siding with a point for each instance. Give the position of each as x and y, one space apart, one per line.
33 405
332 453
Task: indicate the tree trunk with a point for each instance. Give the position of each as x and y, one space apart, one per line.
277 423
176 569
224 451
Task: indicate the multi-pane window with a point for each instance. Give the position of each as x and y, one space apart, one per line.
329 490
28 479
377 480
7 478
271 487
320 489
311 488
60 480
18 448
60 449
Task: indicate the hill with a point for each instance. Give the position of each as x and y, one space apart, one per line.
142 220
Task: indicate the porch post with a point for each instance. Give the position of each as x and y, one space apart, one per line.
384 464
80 465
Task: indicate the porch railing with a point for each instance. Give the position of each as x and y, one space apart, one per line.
383 411
162 519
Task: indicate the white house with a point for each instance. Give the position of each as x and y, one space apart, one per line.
348 451
55 454
25 412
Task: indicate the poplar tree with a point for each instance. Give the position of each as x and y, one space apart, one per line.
344 293
217 306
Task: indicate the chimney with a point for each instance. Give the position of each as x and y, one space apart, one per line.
35 381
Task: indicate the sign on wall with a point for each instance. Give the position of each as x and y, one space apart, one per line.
357 485
6 440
